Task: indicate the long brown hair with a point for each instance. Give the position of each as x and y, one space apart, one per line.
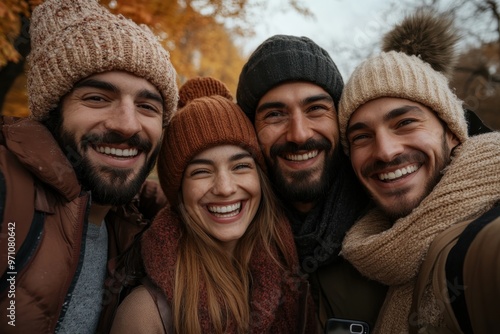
203 266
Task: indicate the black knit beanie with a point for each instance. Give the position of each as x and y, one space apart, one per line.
283 58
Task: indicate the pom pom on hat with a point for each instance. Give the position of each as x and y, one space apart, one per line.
408 76
207 117
428 36
202 87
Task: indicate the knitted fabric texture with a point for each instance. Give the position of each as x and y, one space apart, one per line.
393 253
283 58
73 39
275 297
208 118
396 74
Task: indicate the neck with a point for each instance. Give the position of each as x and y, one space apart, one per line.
97 213
303 207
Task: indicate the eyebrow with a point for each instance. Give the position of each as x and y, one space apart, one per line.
269 105
394 113
234 157
93 83
319 97
307 100
104 85
147 94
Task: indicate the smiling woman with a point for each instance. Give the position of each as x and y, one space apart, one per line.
222 254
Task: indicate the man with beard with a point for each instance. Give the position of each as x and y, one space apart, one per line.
434 236
290 89
101 89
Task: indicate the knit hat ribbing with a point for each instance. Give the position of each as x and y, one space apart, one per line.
283 58
208 117
72 40
401 75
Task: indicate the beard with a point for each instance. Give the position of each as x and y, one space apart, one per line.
402 206
299 186
108 185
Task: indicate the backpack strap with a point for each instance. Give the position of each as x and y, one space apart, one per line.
435 255
161 303
455 266
443 267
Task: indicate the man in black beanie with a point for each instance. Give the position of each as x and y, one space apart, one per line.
290 89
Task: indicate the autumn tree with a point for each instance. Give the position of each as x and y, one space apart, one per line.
14 41
200 35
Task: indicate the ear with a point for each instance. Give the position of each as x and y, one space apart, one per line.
451 139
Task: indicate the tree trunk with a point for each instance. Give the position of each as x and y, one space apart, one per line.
12 70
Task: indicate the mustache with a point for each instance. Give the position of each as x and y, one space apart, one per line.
379 165
309 145
114 138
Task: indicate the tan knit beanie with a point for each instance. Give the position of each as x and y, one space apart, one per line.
207 117
407 76
73 39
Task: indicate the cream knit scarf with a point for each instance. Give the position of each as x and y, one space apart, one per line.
392 253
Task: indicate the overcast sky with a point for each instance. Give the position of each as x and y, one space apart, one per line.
337 24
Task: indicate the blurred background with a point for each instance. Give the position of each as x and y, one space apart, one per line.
215 37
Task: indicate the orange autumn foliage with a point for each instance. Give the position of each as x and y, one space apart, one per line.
193 31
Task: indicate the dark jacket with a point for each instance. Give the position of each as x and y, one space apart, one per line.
340 291
44 213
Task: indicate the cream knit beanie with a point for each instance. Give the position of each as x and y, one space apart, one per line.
73 39
407 76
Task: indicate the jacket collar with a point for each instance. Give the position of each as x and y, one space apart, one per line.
36 148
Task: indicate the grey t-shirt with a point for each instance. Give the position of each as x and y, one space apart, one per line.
84 309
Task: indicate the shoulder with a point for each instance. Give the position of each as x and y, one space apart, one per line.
484 245
481 276
137 314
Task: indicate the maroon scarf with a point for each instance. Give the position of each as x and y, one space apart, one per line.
275 294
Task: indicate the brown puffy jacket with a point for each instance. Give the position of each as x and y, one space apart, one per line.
44 216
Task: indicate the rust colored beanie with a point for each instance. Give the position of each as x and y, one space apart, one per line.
73 39
207 117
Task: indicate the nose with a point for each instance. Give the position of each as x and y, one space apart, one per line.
224 185
124 119
387 147
299 130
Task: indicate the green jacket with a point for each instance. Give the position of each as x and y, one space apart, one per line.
340 291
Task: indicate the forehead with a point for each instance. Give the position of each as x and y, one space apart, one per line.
292 91
220 152
122 79
377 110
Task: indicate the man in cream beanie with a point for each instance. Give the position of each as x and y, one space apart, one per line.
72 175
436 191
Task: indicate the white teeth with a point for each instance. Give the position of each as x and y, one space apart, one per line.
226 210
131 152
398 173
302 157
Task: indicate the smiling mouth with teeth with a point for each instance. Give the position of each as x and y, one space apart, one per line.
301 157
398 173
225 211
126 153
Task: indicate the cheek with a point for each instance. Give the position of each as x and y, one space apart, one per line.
252 186
357 161
267 136
154 129
329 129
192 192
